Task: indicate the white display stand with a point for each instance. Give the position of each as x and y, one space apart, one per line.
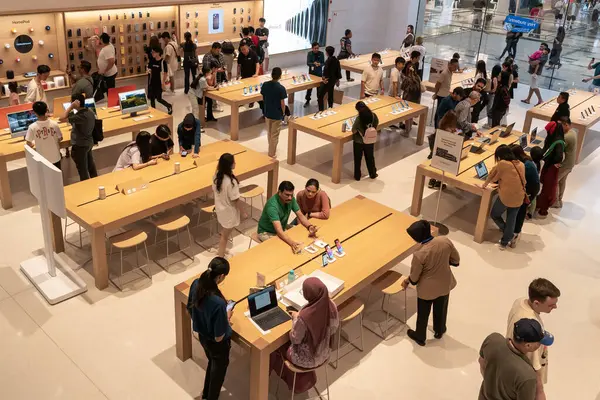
293 292
46 184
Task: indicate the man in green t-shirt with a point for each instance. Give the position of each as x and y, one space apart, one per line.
569 160
276 213
595 85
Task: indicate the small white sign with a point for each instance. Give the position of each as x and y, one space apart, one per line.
447 151
437 66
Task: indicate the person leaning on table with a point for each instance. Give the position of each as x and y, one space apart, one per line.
276 213
430 272
211 320
314 202
188 134
137 154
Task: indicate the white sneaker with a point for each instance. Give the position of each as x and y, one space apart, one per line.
501 246
218 109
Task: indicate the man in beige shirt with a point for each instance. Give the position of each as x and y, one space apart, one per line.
444 81
372 78
543 298
569 161
430 271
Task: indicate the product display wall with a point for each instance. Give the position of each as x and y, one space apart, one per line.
129 29
28 41
215 22
297 25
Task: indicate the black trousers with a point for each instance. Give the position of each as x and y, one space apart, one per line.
84 161
325 89
477 109
522 213
217 354
440 312
57 164
209 108
110 81
497 116
343 56
369 151
156 95
188 69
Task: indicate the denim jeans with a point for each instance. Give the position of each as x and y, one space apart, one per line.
508 226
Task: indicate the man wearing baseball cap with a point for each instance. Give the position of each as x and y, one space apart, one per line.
507 372
542 298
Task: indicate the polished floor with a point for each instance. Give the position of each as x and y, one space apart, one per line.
121 345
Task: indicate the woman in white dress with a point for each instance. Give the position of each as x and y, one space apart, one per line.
226 189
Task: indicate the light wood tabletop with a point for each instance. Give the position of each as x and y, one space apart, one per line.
461 79
330 127
579 101
363 226
358 64
113 124
165 190
466 180
234 95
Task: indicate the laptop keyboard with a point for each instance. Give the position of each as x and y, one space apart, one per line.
271 318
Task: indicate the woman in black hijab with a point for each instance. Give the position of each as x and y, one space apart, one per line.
430 272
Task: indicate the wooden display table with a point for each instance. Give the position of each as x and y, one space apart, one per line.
358 64
458 79
374 238
165 190
113 124
330 128
466 180
579 101
234 95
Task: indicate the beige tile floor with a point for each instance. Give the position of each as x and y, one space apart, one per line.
121 345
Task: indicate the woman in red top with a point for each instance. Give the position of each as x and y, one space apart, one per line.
313 202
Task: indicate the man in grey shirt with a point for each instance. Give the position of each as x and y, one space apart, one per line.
463 114
83 122
84 84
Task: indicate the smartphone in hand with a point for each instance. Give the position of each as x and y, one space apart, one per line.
230 305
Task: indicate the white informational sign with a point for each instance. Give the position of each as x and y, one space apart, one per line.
447 151
437 66
215 21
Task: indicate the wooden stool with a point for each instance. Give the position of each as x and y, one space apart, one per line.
253 238
390 283
299 370
347 312
127 240
171 223
80 231
250 192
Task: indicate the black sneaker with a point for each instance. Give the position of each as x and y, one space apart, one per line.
431 183
351 80
413 335
307 103
170 110
438 335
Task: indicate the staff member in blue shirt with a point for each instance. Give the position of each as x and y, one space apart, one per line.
210 319
315 59
274 95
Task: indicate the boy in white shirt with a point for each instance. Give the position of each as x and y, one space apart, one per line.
45 134
396 78
372 78
35 90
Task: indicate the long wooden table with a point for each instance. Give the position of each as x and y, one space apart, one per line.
234 95
358 64
466 180
458 79
330 128
165 190
374 238
579 101
113 124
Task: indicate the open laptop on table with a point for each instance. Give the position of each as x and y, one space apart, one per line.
508 130
532 137
264 310
465 152
480 143
482 171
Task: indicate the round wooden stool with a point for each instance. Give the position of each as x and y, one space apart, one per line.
347 312
250 192
299 370
390 284
173 223
127 240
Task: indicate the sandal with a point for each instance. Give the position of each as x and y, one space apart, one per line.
525 101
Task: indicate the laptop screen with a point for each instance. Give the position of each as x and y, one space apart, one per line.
481 170
533 134
509 129
262 301
523 140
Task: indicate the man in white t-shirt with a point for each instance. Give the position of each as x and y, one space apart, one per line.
107 61
543 298
372 78
44 134
170 48
35 90
396 78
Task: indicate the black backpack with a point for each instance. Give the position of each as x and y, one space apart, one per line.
98 133
227 47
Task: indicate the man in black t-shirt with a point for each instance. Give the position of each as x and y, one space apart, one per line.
248 64
263 41
157 74
161 143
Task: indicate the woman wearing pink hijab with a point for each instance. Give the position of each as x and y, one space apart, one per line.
312 328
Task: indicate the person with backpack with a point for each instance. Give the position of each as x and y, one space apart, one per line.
211 320
84 84
364 136
190 60
228 52
346 50
83 124
172 59
256 46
